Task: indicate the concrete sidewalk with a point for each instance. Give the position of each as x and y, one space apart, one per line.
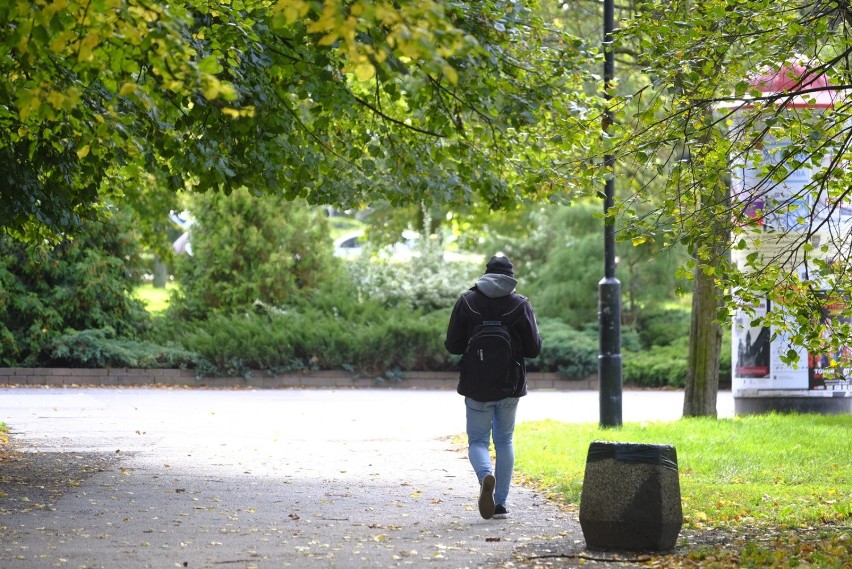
267 479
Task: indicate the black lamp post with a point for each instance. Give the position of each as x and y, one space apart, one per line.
609 288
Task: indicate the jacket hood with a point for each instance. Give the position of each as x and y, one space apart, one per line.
494 285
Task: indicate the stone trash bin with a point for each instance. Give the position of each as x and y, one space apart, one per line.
631 497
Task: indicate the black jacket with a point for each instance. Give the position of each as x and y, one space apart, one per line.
516 312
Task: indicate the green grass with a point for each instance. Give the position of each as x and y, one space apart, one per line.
156 300
780 486
781 470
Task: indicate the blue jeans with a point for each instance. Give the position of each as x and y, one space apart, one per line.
484 420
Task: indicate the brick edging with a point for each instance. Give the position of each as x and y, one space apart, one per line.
131 377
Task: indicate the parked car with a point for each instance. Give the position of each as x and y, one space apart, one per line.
351 245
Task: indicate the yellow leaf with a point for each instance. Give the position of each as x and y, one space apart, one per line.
227 91
365 71
28 104
126 89
293 9
56 98
54 7
386 14
210 91
83 151
328 39
60 42
87 46
451 74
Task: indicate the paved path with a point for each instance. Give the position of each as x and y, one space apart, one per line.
268 479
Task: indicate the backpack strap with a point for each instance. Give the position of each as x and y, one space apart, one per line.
474 302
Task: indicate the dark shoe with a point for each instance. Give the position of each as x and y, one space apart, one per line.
500 512
486 497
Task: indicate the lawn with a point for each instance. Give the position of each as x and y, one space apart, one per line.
774 483
156 299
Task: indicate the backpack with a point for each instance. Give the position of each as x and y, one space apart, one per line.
489 359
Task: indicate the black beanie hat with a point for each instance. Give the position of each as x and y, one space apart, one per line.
501 265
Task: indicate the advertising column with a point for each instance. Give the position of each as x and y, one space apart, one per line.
784 209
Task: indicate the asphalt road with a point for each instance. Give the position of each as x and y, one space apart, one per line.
268 479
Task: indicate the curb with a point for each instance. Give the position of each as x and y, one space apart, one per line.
187 378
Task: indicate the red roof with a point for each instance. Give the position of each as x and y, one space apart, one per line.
797 78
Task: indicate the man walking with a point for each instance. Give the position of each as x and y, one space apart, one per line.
494 329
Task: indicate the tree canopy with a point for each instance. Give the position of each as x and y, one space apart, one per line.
337 103
458 105
730 92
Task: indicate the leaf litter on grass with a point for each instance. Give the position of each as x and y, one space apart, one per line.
757 491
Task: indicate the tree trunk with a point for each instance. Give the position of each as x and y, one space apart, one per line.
705 336
705 343
161 273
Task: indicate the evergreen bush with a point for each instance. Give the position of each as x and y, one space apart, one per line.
237 344
571 352
79 284
100 349
286 340
412 342
248 248
559 251
666 365
661 326
428 282
657 366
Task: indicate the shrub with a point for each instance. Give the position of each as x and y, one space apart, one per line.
658 366
369 339
283 340
559 252
100 348
79 284
660 327
427 282
237 344
666 365
571 352
410 343
567 284
248 248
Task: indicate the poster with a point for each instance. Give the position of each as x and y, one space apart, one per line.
786 213
751 345
831 369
